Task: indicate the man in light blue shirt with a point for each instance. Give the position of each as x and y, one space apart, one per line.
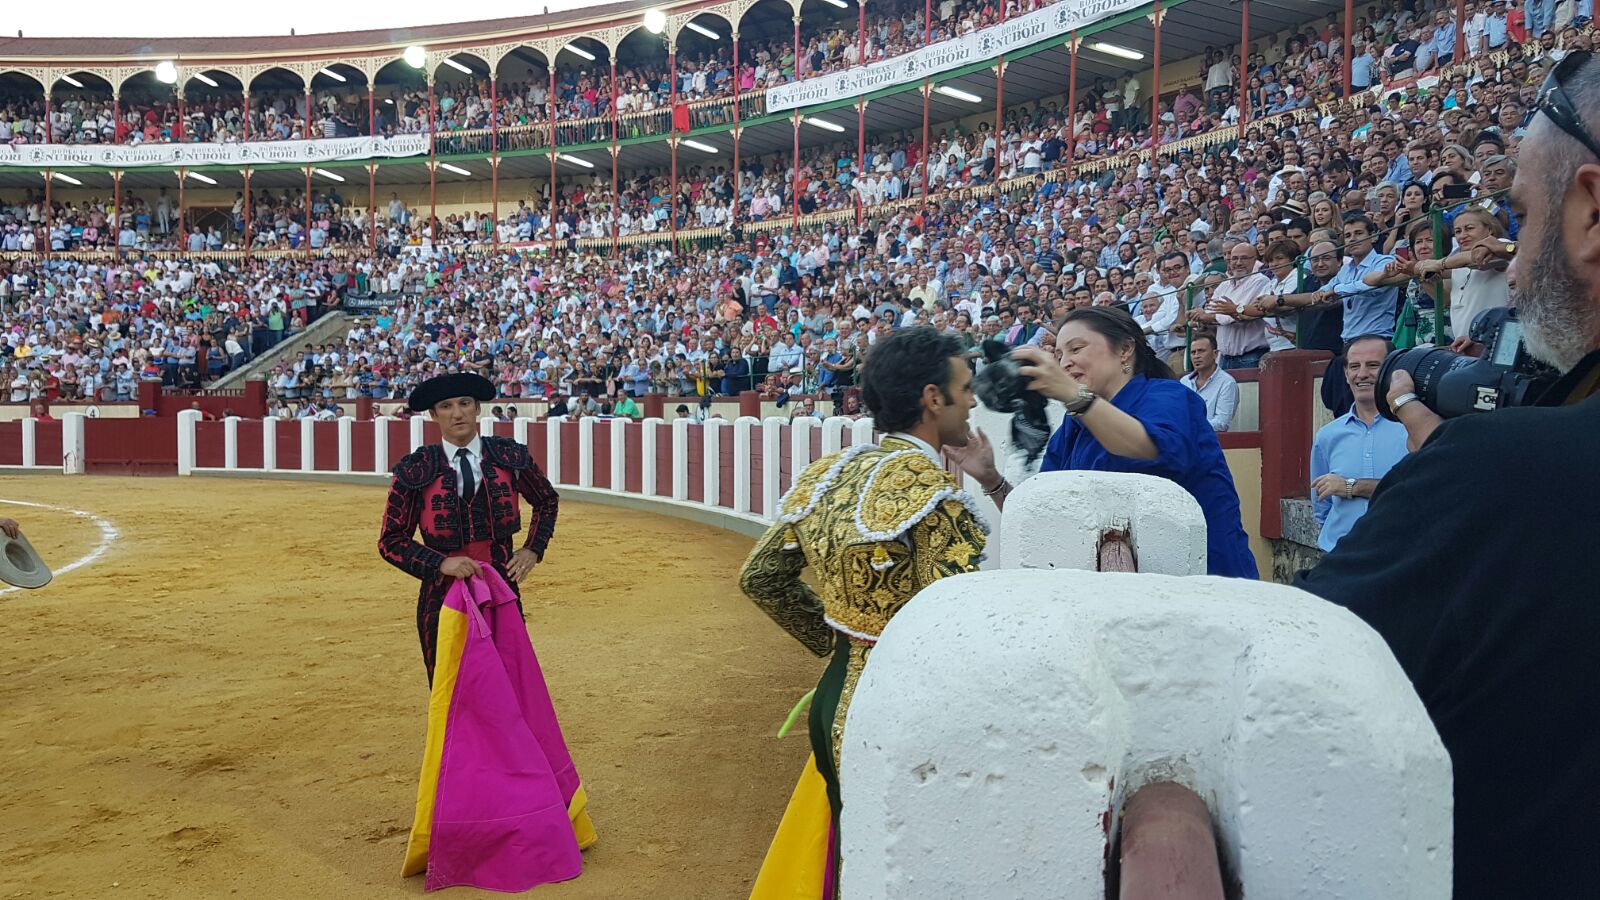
1351 454
1217 388
1444 37
1361 69
1367 309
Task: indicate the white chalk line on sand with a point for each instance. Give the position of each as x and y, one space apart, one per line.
108 533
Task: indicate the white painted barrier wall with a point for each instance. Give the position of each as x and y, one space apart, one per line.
1054 520
1003 713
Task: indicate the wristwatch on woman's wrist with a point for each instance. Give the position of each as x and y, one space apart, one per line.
1081 403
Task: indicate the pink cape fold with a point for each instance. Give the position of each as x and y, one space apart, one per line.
506 781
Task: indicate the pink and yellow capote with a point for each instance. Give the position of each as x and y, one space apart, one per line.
499 802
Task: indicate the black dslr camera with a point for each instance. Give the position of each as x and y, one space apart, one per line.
1453 385
1002 388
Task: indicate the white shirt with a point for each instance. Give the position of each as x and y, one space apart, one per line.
474 461
922 445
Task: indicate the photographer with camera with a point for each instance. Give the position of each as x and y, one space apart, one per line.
1125 413
1475 558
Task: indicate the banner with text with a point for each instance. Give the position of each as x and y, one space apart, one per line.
252 153
1016 34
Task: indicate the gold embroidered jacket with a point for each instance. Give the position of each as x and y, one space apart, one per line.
876 524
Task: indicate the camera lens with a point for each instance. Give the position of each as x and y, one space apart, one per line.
1427 367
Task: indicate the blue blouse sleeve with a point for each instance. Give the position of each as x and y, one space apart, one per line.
1174 417
1055 452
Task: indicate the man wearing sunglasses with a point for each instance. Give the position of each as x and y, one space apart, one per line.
1475 560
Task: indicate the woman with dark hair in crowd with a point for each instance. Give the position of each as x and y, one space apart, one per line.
1126 412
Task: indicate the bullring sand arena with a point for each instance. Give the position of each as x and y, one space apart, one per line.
229 700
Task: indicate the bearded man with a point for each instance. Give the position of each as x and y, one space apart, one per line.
1475 560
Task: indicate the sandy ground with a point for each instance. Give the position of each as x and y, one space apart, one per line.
230 702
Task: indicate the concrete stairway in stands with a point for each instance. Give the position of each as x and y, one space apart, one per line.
331 328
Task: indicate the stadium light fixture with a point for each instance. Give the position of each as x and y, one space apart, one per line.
1116 50
456 169
415 56
202 178
579 51
72 81
457 66
840 3
332 74
60 176
958 93
575 160
166 72
389 100
707 148
824 123
655 21
204 79
334 176
697 28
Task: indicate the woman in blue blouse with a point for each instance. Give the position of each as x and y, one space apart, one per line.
1127 413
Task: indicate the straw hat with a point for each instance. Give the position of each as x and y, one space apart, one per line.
20 564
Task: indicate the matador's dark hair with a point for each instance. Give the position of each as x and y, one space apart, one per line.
898 367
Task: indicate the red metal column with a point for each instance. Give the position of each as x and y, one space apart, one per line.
49 130
433 168
861 106
616 205
249 207
999 107
247 113
372 113
1155 88
183 178
927 160
1072 104
116 115
49 211
550 209
494 157
306 131
794 186
1461 21
372 206
736 128
1243 89
308 212
672 143
177 128
116 201
1349 51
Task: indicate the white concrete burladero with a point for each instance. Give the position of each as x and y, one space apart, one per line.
1004 713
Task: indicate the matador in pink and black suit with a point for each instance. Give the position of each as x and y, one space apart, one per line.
425 494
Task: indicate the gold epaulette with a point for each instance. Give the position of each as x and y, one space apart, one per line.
904 487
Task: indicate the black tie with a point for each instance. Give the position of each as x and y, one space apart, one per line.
462 455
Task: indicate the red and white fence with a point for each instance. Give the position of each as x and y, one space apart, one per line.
740 467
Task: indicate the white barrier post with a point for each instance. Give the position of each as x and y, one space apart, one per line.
1055 520
30 433
269 443
1006 712
552 448
649 442
711 462
380 444
771 465
861 432
415 423
72 443
680 458
519 429
586 451
308 445
230 442
743 429
186 437
486 426
799 447
346 440
833 434
620 427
